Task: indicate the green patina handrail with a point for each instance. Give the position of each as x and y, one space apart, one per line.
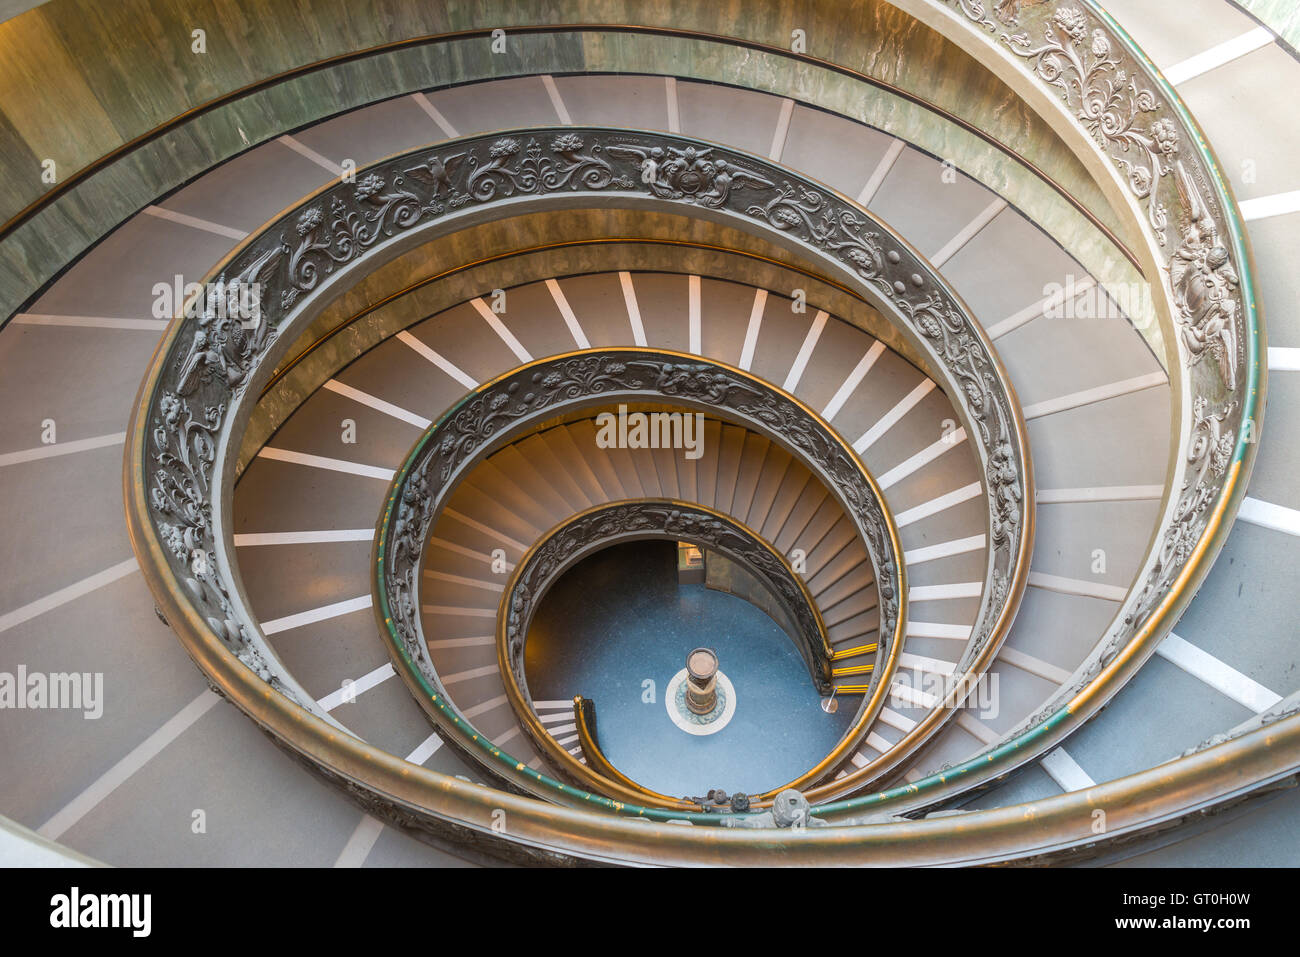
683 377
1008 754
506 765
1243 450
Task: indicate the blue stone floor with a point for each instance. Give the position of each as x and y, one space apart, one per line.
619 619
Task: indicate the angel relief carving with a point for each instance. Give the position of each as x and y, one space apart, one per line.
1204 285
215 358
693 174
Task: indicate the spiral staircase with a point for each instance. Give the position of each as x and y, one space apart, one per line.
972 308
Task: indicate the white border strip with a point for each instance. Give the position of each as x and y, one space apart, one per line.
1262 207
968 232
751 331
931 629
462 580
1281 359
921 459
570 320
66 594
361 843
1099 493
1065 771
379 405
805 351
674 117
468 675
313 615
926 509
62 448
193 222
1077 586
553 92
782 130
933 666
1268 515
348 694
1032 665
1216 56
693 314
1071 288
957 546
944 592
1112 390
890 418
94 322
323 462
872 186
499 327
1225 679
437 359
320 537
303 150
854 380
435 114
119 773
633 310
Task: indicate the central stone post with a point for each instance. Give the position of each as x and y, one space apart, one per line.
701 681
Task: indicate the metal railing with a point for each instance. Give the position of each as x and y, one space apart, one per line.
610 523
514 405
1229 336
210 366
1219 382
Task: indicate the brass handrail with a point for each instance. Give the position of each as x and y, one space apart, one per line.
584 720
1210 776
522 596
499 412
186 440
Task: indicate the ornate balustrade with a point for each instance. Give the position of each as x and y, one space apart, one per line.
1108 101
515 404
597 528
213 361
1115 110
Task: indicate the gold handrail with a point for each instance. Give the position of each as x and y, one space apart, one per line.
584 718
1214 533
624 787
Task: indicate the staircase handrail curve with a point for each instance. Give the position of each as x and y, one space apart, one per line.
208 368
515 404
651 518
1123 109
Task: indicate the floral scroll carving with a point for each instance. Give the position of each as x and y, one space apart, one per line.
212 359
1115 99
544 389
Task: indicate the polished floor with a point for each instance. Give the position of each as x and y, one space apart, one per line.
618 620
